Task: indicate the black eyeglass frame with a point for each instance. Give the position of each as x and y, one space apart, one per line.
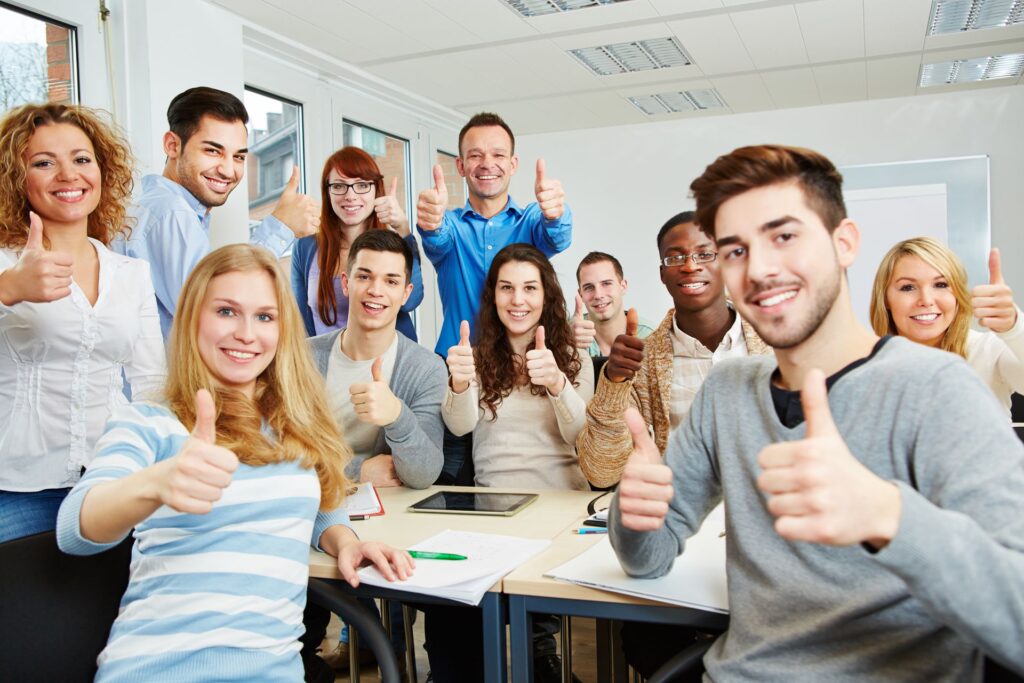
350 186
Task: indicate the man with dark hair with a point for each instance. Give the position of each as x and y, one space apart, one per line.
601 288
875 519
206 152
659 376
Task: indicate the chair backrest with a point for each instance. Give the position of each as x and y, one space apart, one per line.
56 609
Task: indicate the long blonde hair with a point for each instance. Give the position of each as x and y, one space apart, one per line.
290 395
941 258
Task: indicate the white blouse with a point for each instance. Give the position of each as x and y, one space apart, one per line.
998 358
61 369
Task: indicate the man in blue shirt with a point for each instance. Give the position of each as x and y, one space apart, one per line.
206 150
461 243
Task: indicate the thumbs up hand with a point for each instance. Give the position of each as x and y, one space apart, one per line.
373 401
542 367
818 491
39 275
549 193
460 361
583 330
195 478
432 203
627 352
993 303
298 211
645 489
389 210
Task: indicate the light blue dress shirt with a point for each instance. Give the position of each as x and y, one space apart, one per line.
170 229
464 245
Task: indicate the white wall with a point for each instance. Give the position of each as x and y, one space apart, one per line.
624 182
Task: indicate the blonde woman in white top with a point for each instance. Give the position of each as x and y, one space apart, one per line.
74 317
521 388
920 292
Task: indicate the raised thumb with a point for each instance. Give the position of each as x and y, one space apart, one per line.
35 231
206 418
375 369
814 399
644 447
995 268
293 182
579 308
632 322
439 179
541 171
393 187
539 338
464 333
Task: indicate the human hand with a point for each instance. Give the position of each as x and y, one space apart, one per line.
818 491
645 489
389 210
298 211
432 203
194 479
541 366
392 563
583 330
380 471
39 276
993 303
460 361
627 352
549 193
373 401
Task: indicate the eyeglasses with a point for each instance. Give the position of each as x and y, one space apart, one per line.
681 259
359 187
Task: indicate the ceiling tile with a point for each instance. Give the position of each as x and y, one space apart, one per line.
491 18
670 7
558 66
792 87
845 82
592 17
832 29
428 25
894 27
772 36
744 93
963 38
892 76
713 43
580 39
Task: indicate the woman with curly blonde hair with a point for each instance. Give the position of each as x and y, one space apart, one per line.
226 481
921 293
76 318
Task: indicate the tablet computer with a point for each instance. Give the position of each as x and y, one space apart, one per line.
474 503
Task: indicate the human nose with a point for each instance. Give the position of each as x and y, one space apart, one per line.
66 170
760 265
244 330
690 264
925 296
517 296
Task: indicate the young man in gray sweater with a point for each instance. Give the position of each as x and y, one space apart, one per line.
875 519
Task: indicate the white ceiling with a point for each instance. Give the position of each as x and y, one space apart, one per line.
476 55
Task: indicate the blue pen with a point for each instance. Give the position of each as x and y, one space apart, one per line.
591 530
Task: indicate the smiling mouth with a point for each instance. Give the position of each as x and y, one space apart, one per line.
777 299
372 307
518 315
69 195
925 317
240 356
487 177
693 287
216 184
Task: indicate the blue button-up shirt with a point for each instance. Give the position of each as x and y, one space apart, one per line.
464 245
171 230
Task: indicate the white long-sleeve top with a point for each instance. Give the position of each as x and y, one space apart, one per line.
998 358
532 441
61 370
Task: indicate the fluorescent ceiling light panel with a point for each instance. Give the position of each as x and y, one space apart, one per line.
972 70
954 16
535 8
678 101
640 55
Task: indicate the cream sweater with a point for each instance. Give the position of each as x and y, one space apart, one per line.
998 358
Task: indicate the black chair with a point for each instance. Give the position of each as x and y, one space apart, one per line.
57 609
686 663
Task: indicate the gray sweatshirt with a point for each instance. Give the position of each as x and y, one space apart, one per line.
414 440
950 585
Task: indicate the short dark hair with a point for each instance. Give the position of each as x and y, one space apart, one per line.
381 240
188 107
679 219
749 168
486 118
598 257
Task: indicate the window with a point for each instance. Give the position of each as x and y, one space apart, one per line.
275 147
37 60
391 154
452 180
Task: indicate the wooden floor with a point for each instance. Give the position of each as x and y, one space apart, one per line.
584 652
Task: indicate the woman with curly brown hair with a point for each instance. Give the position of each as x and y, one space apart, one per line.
75 317
521 388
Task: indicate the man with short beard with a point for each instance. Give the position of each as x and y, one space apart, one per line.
874 491
206 150
602 286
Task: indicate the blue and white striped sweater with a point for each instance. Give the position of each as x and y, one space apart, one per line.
210 597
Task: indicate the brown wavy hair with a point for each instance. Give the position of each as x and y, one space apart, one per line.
499 368
290 395
112 155
350 162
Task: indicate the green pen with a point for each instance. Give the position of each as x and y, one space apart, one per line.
427 555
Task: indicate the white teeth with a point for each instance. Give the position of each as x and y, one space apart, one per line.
373 307
518 314
70 194
695 285
925 317
777 299
487 177
241 355
218 184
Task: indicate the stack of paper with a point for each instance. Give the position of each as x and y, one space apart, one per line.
489 558
697 578
363 502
